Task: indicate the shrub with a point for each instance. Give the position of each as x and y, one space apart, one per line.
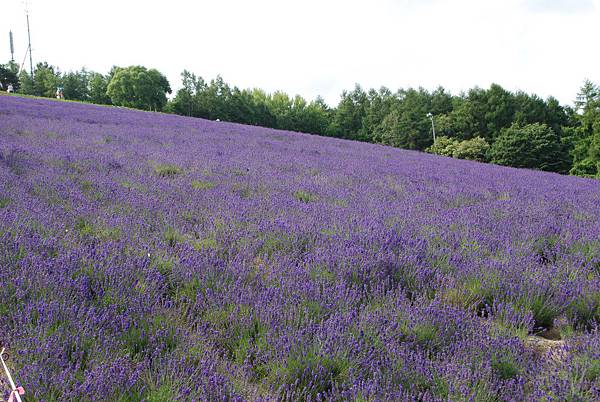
585 168
474 149
534 146
444 146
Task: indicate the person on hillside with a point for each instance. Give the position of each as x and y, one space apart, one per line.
10 89
59 93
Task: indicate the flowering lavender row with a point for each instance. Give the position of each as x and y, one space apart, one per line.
153 257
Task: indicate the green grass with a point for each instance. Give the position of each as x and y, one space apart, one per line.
426 336
544 309
208 243
172 237
133 186
164 265
505 367
585 310
87 229
167 171
202 185
304 196
4 201
592 372
311 373
411 379
321 273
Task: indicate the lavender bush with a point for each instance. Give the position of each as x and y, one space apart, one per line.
153 257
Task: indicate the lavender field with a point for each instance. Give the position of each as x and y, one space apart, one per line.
152 257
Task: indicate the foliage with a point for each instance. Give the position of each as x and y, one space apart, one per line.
47 79
98 87
533 146
444 146
586 137
9 75
76 85
474 149
139 87
347 121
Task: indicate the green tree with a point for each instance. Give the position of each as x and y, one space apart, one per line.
407 125
76 85
315 117
586 154
46 79
9 76
192 98
347 120
586 137
139 87
26 83
444 146
587 105
500 109
533 146
216 99
388 131
98 88
475 149
281 106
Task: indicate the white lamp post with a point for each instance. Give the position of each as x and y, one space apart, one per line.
432 125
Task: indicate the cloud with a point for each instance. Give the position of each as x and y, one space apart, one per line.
559 6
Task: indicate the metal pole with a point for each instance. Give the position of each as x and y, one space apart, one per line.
29 37
12 47
430 115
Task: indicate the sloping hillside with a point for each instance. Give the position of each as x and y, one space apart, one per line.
149 256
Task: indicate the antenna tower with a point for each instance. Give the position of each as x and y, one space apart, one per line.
26 3
12 47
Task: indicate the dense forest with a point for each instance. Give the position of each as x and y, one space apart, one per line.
490 125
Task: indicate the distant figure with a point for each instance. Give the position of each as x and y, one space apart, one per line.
59 93
10 89
1 87
218 120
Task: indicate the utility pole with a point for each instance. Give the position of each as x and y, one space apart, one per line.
432 125
12 47
29 38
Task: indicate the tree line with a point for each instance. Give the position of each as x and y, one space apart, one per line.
489 125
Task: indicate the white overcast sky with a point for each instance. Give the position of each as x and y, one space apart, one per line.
312 47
